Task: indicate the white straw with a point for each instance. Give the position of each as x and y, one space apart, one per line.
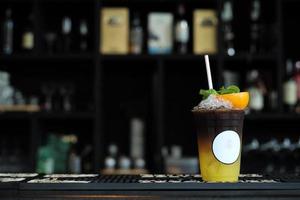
209 79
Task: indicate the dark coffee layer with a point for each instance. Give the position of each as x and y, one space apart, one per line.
210 123
218 118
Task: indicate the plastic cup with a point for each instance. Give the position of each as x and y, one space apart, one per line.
219 143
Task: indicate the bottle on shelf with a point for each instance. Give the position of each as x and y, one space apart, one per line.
114 31
66 34
228 37
139 164
27 44
66 92
110 161
113 151
255 28
160 33
137 140
124 165
181 31
289 88
136 35
205 23
273 100
110 165
257 90
137 134
176 151
297 79
8 32
74 162
83 32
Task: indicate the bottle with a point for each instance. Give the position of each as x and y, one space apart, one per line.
74 162
139 163
83 32
110 161
289 88
176 152
124 165
113 151
182 31
137 134
27 44
255 27
109 165
257 91
273 100
136 35
66 34
297 79
228 34
8 32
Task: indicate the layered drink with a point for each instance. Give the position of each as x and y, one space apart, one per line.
219 122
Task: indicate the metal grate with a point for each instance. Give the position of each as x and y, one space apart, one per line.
144 178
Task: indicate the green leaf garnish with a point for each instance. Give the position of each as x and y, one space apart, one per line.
206 93
229 90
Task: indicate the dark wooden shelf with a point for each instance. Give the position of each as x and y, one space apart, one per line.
46 115
147 57
290 1
16 115
239 57
45 57
66 115
15 166
159 1
15 1
64 1
251 57
273 116
90 115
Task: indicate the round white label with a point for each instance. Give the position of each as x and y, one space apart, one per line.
226 147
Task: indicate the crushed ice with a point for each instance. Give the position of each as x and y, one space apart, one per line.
213 103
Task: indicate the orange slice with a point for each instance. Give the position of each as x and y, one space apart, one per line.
239 100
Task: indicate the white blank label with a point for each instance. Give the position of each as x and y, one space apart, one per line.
226 147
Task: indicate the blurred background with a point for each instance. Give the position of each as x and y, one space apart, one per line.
108 85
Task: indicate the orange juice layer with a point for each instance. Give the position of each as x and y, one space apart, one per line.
214 171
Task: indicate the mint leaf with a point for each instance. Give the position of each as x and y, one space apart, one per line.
236 89
206 93
229 90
